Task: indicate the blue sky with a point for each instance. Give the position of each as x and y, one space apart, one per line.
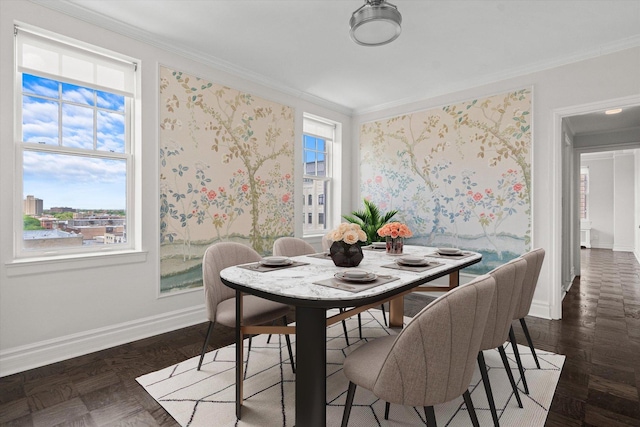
62 180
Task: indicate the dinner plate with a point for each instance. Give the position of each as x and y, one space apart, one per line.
275 261
449 251
379 245
412 261
368 277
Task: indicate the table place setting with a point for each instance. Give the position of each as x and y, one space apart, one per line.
272 263
376 246
321 255
413 263
451 253
356 280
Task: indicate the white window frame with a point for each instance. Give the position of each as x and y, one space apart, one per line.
310 122
102 59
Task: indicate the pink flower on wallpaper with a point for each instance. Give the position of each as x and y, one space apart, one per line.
211 195
378 179
204 190
245 188
221 189
470 193
287 176
285 198
517 187
488 191
477 197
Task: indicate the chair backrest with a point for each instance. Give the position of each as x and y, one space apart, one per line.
509 278
216 258
534 260
433 358
292 246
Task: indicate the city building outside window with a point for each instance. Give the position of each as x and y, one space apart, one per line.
317 145
75 109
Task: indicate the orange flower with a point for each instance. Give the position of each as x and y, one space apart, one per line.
394 230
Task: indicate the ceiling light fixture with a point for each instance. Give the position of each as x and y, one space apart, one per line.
616 111
375 23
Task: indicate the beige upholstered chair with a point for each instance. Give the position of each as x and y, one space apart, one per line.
534 260
220 299
509 278
431 361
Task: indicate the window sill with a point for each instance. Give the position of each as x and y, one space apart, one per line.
42 265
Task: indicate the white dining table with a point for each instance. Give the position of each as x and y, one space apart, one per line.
297 286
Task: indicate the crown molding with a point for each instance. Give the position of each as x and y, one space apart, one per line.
597 51
79 12
82 13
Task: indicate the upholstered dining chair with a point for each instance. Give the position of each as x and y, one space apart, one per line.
508 278
294 246
220 299
534 259
431 361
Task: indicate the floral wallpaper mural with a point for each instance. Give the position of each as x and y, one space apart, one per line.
226 167
459 175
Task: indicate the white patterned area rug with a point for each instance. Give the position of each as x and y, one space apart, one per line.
207 397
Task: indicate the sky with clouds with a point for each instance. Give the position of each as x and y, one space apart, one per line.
79 118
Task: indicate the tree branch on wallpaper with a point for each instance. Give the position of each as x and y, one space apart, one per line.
226 167
459 175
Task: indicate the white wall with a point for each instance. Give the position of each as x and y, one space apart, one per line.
55 310
625 193
556 93
601 198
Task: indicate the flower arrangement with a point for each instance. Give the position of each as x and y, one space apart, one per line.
394 230
348 233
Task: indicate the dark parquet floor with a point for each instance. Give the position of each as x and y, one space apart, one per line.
599 333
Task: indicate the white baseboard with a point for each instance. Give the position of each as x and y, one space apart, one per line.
541 310
618 248
18 359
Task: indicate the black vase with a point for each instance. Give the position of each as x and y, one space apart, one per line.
345 255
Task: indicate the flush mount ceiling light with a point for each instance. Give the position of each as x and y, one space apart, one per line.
375 23
616 111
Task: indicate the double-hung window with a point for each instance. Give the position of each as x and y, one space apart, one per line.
74 130
317 147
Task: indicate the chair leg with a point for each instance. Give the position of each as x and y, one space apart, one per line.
430 416
206 342
387 406
348 403
286 337
507 368
487 387
360 325
514 344
269 337
471 409
526 334
344 328
384 315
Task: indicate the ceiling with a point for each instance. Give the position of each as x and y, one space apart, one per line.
303 46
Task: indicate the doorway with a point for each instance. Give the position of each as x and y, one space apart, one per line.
594 133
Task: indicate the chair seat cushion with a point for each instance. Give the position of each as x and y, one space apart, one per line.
255 310
363 365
